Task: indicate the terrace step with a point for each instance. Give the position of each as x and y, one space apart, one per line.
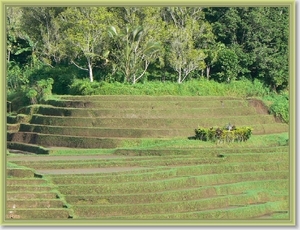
143 98
106 132
151 161
154 103
13 127
134 132
162 197
159 123
19 118
238 212
18 181
171 184
19 172
212 151
35 203
165 175
31 195
48 140
38 213
145 113
109 210
33 188
25 147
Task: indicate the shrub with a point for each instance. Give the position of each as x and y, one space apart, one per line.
225 134
278 105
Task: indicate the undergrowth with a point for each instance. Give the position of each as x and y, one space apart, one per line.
201 87
278 105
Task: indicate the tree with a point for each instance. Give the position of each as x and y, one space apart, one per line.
227 65
13 31
184 29
212 54
183 57
42 30
83 30
137 44
132 56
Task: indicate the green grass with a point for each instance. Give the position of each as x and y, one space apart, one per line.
204 192
200 87
153 161
24 181
109 210
212 150
171 184
233 167
78 151
208 179
279 139
217 215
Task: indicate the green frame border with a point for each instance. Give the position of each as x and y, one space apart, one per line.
291 4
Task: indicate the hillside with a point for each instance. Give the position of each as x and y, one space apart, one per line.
130 157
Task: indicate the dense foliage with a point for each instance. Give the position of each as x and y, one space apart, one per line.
131 44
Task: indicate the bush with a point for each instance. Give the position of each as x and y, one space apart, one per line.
62 77
225 134
84 87
278 105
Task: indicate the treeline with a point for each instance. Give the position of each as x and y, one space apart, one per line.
140 44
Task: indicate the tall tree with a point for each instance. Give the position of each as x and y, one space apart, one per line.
185 27
40 24
84 32
136 40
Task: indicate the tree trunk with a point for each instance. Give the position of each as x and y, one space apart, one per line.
91 72
179 77
8 56
207 72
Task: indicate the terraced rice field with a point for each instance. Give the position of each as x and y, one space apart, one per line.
130 158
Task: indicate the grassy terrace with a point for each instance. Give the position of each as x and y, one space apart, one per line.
150 122
159 161
129 157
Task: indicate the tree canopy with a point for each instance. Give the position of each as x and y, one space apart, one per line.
132 44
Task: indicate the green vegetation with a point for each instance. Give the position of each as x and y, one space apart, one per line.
229 133
279 105
138 44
